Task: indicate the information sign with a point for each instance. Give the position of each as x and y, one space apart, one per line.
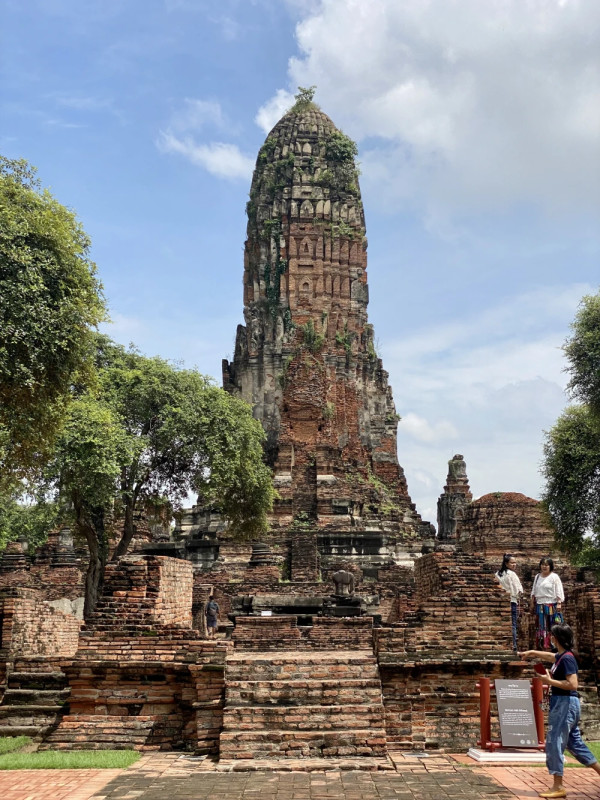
515 713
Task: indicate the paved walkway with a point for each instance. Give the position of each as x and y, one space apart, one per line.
174 777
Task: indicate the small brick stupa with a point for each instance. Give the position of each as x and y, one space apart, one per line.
305 359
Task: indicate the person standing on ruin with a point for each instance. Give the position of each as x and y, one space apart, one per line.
509 580
565 711
547 597
212 616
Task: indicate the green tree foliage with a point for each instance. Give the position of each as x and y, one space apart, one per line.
152 431
92 450
26 518
50 300
583 352
572 448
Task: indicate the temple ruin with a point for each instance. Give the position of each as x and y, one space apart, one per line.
352 628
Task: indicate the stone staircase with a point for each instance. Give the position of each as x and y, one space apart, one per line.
35 698
302 704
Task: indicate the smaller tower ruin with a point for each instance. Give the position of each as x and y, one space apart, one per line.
457 495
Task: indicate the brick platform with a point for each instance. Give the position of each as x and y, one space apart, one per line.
295 705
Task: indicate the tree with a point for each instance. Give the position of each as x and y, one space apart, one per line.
50 302
154 432
572 448
26 517
91 452
583 352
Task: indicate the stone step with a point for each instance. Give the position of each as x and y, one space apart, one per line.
7 712
33 731
95 732
303 718
18 697
38 664
302 744
300 692
297 666
36 680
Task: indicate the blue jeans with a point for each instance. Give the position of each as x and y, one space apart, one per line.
563 734
514 613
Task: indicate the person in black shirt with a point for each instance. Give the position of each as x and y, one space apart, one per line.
212 616
563 720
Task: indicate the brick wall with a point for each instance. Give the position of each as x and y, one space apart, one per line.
505 522
436 705
32 627
158 703
282 633
142 593
52 582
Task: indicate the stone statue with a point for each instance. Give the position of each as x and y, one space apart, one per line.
457 467
343 582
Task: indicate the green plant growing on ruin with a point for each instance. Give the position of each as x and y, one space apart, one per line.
386 503
251 211
329 411
301 523
392 418
304 99
281 167
267 149
288 323
343 229
342 171
340 148
275 267
283 375
311 340
344 339
284 571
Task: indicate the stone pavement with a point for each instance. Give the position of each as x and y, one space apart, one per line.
171 776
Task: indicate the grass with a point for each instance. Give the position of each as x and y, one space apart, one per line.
8 744
59 759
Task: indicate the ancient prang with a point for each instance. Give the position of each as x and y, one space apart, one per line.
306 359
352 628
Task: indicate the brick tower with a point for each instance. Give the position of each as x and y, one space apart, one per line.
305 358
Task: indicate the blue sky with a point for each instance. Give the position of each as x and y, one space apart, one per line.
478 133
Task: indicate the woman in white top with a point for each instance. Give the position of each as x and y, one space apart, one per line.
509 580
547 597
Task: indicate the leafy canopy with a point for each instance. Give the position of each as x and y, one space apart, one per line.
161 432
572 449
50 301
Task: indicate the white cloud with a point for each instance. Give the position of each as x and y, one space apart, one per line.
222 159
219 158
474 105
424 431
495 381
272 111
196 115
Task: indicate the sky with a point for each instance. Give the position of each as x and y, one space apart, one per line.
478 128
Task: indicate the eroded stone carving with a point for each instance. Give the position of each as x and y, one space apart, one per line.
343 582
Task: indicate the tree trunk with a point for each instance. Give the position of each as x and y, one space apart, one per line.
92 528
128 528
